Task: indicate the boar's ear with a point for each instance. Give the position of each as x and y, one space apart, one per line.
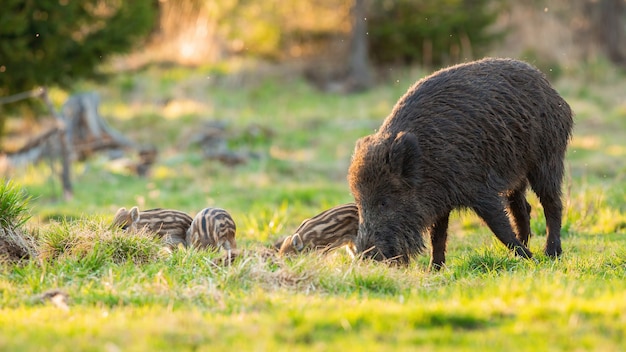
404 156
360 143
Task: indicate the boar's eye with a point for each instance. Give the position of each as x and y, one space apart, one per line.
382 205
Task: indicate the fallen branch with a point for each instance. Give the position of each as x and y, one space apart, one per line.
21 96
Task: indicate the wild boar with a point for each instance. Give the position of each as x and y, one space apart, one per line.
469 136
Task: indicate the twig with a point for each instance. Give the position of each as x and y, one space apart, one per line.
21 96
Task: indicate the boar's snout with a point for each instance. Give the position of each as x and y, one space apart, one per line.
369 251
380 246
368 244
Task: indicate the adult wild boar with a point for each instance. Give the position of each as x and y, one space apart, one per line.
468 136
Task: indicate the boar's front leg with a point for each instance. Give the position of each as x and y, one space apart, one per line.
520 212
438 237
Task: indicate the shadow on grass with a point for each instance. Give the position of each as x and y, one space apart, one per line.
309 328
489 260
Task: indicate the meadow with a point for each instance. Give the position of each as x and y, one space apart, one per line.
125 294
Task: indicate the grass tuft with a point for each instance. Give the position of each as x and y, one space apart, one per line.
14 205
93 243
15 243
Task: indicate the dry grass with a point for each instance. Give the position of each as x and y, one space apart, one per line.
15 245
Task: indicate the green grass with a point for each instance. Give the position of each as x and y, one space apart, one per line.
14 205
128 294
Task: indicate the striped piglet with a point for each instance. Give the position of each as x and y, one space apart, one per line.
169 224
212 227
332 228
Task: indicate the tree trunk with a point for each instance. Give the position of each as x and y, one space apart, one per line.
610 29
360 77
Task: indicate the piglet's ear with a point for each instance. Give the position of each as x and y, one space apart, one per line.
404 156
134 214
296 242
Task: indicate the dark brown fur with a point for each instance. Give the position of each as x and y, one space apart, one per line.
469 136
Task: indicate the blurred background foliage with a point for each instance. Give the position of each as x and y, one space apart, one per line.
55 42
58 42
398 31
432 32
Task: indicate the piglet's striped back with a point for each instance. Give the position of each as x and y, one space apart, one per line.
169 224
332 228
212 227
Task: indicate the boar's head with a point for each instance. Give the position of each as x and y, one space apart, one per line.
384 178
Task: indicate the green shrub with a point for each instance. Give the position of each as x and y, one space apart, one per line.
54 43
430 32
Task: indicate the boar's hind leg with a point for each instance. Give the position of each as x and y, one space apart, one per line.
520 211
491 210
549 192
438 238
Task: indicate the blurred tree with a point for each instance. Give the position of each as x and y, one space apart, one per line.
359 70
328 33
201 31
55 42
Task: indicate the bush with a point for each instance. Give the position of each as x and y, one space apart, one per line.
53 43
430 32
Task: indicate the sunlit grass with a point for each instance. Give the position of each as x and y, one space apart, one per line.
361 304
14 205
126 293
